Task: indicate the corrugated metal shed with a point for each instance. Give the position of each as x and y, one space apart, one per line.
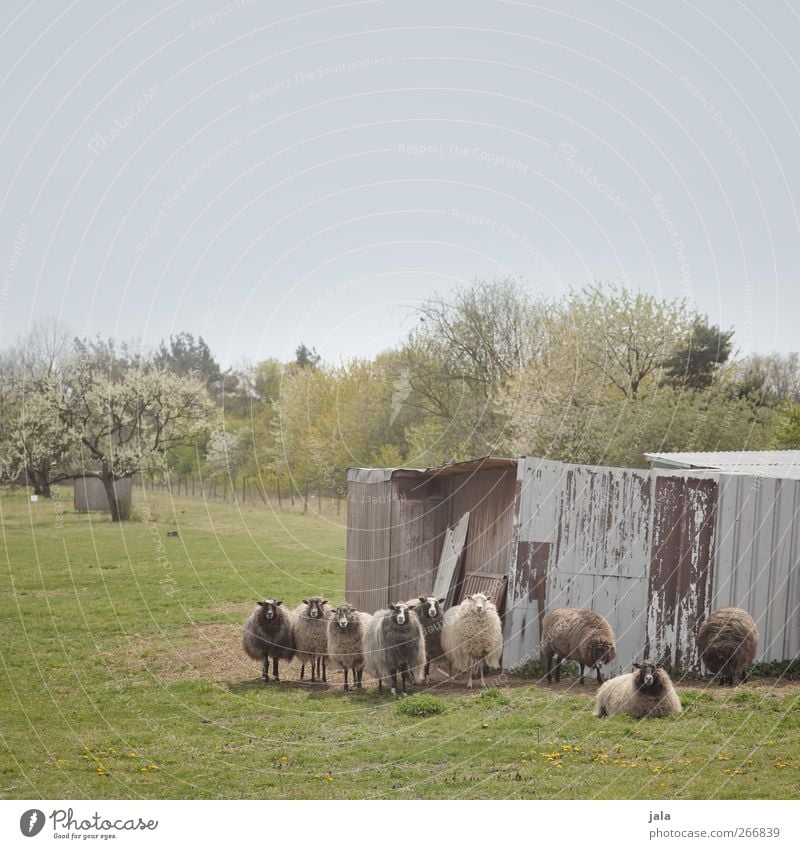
774 464
90 494
654 551
397 519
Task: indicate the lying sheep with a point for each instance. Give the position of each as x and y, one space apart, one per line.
269 633
727 642
430 612
311 636
394 642
647 692
580 635
472 636
346 641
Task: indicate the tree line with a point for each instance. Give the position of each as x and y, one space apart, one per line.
599 376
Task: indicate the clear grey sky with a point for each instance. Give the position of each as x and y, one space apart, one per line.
268 172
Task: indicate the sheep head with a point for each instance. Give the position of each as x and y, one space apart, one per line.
400 612
269 607
649 675
316 605
344 614
431 606
478 602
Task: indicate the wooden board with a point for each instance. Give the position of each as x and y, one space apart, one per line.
454 542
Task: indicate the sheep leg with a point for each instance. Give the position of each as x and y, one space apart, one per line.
265 671
360 678
599 676
427 672
745 676
302 670
394 682
583 680
403 674
558 669
275 668
548 659
483 683
313 669
469 683
346 688
324 670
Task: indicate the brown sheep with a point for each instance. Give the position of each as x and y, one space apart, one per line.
580 635
727 641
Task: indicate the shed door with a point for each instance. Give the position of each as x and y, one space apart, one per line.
601 555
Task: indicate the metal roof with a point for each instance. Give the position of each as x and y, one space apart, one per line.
773 464
382 475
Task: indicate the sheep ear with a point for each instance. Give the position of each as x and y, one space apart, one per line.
278 603
441 600
260 603
392 607
423 599
305 601
324 601
637 665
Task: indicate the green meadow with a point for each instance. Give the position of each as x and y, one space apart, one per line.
122 676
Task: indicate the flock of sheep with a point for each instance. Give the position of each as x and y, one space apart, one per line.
403 640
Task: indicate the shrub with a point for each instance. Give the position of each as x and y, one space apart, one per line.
421 705
493 696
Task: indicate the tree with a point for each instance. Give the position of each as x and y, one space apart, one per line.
306 357
33 440
696 358
786 431
127 418
450 371
624 336
770 379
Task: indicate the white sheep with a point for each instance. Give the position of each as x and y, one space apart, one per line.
647 692
472 636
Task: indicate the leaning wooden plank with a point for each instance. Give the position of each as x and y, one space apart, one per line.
454 542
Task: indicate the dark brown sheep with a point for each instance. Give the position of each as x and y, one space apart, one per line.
727 641
580 635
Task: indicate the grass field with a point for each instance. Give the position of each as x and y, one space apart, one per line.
122 676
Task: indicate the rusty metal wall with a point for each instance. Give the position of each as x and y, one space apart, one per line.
758 558
488 496
533 535
654 551
369 518
601 552
681 566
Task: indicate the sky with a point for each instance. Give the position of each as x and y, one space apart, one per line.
265 173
